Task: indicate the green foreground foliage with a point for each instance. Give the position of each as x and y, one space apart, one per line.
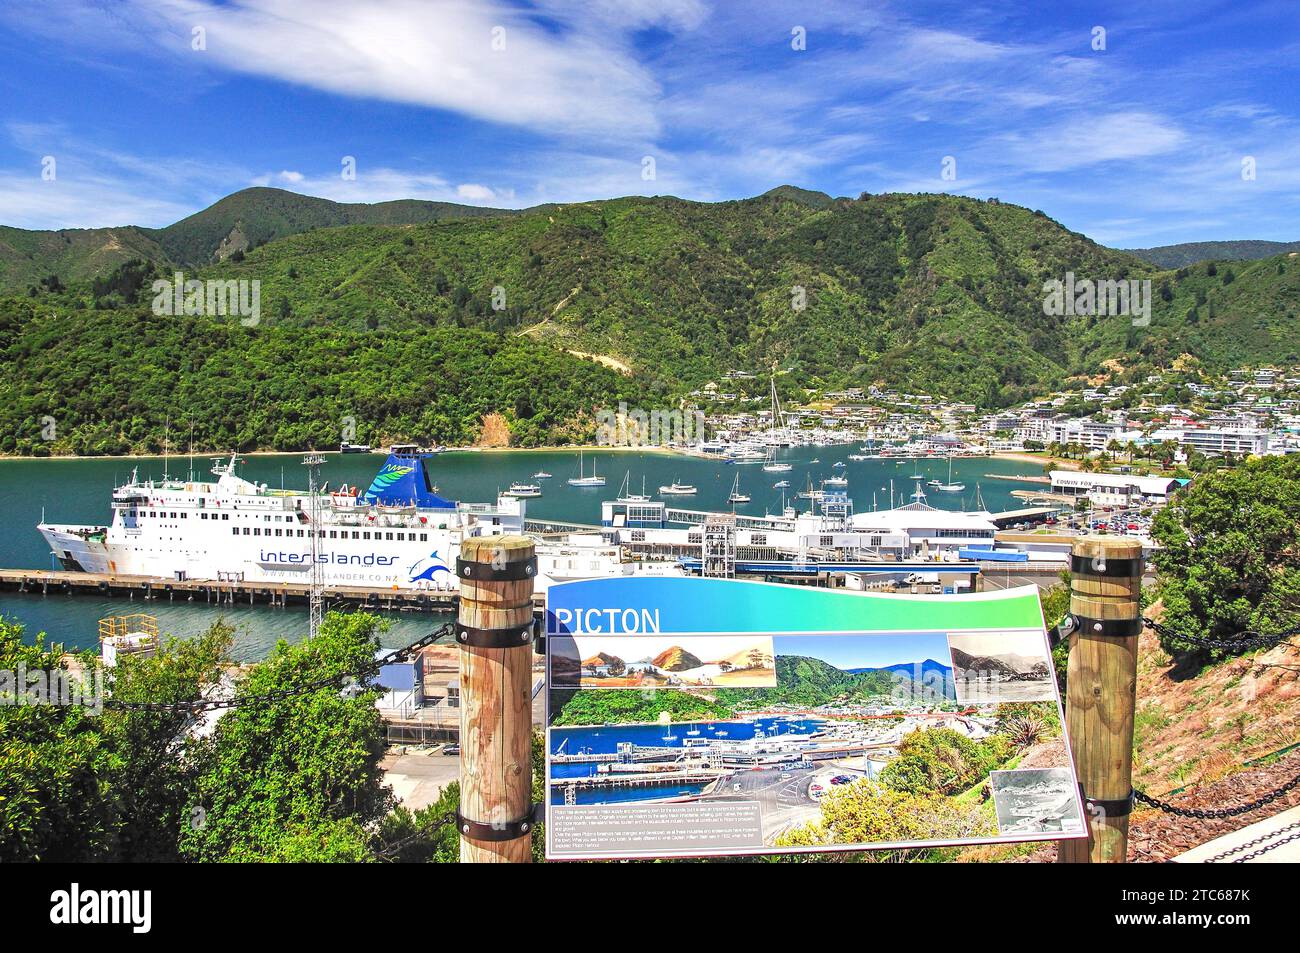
297 779
1228 558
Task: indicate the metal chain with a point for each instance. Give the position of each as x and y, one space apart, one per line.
1242 640
1255 843
201 705
1220 812
1264 850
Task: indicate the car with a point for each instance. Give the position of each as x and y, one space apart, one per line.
451 749
736 787
841 779
786 775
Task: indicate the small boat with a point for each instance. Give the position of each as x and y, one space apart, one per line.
815 460
736 496
948 487
346 447
523 490
835 481
541 475
781 484
777 467
678 489
625 496
582 480
838 465
858 457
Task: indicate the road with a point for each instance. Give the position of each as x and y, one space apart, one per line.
785 803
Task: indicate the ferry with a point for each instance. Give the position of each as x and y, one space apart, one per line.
346 447
397 534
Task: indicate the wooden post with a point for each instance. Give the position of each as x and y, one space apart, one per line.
1101 690
495 697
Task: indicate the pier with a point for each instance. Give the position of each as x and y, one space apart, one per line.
218 591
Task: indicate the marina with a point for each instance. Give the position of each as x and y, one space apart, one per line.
569 523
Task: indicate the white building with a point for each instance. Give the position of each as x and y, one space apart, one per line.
1216 441
929 532
1113 489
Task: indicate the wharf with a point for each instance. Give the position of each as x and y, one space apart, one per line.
218 592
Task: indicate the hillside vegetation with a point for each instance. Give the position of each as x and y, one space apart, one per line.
932 294
108 378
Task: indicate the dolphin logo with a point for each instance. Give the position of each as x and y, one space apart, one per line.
431 564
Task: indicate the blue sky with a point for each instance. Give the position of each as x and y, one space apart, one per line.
1139 143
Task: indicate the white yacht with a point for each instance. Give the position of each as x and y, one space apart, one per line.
736 496
582 479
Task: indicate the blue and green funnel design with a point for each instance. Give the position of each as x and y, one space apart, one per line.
402 481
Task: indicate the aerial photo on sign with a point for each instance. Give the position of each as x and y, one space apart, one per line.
746 733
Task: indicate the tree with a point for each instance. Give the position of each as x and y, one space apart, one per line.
54 803
296 779
1227 560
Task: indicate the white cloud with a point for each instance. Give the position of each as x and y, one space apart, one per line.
484 60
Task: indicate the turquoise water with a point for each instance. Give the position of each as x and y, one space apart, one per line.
78 491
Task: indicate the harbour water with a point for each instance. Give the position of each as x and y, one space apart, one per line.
604 739
78 491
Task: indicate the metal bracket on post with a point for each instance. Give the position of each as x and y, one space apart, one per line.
500 830
1110 628
1062 631
486 572
1100 566
511 638
1114 807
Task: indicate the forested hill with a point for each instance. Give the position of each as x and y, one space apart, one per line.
933 294
236 223
1189 253
256 216
108 381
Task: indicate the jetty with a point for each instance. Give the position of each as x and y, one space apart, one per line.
219 591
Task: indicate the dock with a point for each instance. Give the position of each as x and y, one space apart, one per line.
1019 478
219 592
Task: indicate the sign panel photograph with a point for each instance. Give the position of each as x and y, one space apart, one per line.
707 717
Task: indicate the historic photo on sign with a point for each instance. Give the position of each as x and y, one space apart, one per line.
991 667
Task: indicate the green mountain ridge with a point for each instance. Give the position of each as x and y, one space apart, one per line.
236 223
931 294
1191 253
